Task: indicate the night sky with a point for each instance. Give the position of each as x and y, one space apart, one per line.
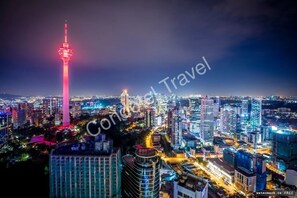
249 44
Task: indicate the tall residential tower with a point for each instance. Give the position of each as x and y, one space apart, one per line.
207 120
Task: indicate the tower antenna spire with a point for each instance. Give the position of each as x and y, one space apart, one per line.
65 32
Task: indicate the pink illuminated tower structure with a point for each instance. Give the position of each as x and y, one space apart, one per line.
65 53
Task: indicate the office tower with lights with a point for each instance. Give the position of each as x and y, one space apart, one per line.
253 164
216 106
141 174
149 118
5 123
284 148
244 114
125 102
46 104
256 113
86 170
207 121
170 121
228 120
76 109
65 53
51 106
176 137
229 156
195 115
18 118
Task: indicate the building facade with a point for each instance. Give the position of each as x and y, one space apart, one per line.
207 121
149 118
245 181
190 186
141 174
228 120
195 112
256 113
284 148
83 170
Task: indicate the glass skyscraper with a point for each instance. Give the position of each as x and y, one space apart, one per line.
85 170
228 120
195 113
244 114
284 149
207 121
256 115
141 174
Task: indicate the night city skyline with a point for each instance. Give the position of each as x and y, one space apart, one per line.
148 98
134 45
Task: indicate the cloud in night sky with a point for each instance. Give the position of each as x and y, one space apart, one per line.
135 44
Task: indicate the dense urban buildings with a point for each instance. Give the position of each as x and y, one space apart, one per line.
201 119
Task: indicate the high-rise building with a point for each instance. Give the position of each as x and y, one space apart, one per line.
76 109
245 181
65 54
255 138
51 105
18 118
254 164
125 101
284 149
36 118
5 123
149 117
229 156
195 113
244 114
228 120
176 136
86 170
256 114
207 121
141 174
170 122
216 106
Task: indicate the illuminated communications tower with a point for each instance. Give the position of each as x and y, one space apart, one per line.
65 53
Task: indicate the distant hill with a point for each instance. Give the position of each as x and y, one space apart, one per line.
7 96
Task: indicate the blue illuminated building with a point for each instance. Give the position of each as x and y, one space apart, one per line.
284 148
5 123
141 174
229 156
256 115
254 164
